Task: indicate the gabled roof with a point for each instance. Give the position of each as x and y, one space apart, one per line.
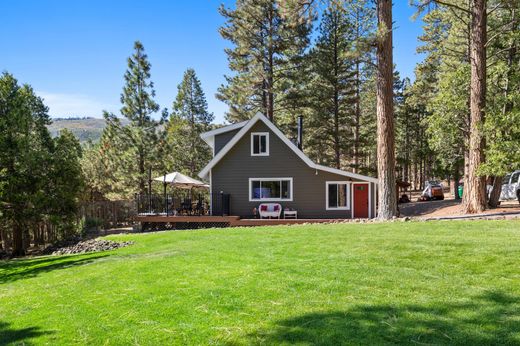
246 126
209 137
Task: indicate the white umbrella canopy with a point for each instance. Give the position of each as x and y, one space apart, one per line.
181 181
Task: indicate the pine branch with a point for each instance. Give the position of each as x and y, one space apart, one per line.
499 32
443 3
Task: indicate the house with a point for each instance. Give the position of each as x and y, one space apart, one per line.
254 162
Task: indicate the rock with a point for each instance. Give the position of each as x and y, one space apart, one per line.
83 246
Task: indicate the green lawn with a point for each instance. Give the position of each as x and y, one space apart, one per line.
409 283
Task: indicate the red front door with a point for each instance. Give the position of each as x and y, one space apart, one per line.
360 200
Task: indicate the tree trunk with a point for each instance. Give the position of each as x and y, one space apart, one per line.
476 186
495 192
456 179
357 117
270 72
18 248
385 113
26 237
337 149
421 175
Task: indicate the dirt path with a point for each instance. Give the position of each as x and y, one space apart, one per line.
449 207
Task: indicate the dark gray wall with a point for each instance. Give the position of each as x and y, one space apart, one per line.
222 139
231 175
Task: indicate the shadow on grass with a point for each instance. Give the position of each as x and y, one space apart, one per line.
490 319
19 336
17 269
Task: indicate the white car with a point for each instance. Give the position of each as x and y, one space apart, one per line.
511 186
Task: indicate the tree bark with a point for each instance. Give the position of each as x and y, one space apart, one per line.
495 192
270 72
476 186
337 150
456 179
18 248
385 113
357 117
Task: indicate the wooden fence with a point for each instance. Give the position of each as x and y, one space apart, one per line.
108 214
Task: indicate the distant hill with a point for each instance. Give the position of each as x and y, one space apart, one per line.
83 128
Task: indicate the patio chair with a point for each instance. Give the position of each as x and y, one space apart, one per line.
186 207
269 210
199 208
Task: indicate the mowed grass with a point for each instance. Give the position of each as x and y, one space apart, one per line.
414 283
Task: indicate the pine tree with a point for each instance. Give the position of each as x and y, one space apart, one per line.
385 113
67 182
333 86
40 176
502 124
268 37
477 27
138 139
367 151
361 15
189 119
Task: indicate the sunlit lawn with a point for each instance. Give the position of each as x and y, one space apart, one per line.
409 283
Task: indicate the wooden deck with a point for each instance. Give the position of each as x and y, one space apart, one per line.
233 221
176 219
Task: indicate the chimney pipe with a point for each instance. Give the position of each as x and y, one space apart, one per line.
300 132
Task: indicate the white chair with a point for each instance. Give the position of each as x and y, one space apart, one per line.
269 210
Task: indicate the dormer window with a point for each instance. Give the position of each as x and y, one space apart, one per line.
260 144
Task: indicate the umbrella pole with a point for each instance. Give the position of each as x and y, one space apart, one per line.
165 196
150 190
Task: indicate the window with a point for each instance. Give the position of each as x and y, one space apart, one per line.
260 144
270 189
337 195
514 179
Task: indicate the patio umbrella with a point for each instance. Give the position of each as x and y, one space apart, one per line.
180 180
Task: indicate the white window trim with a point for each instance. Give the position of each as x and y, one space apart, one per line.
271 199
369 198
327 183
266 134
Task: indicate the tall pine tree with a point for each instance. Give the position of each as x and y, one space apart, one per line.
189 119
138 138
268 37
362 16
333 86
385 113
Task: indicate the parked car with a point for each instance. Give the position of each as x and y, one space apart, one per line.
511 186
433 190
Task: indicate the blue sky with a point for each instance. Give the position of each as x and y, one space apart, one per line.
74 53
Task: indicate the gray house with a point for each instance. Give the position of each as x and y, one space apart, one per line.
253 163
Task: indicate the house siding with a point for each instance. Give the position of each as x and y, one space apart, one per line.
231 176
222 139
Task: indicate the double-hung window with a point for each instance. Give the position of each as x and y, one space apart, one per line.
337 195
260 144
270 189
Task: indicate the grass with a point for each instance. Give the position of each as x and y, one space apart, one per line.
412 283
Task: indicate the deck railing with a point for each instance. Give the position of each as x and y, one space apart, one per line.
170 204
